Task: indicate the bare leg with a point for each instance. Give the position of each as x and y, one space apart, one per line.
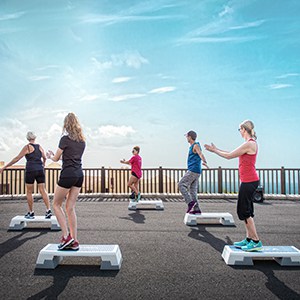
70 209
59 196
136 185
29 191
131 183
44 194
251 229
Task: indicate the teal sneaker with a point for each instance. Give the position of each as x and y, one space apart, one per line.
138 197
240 244
252 246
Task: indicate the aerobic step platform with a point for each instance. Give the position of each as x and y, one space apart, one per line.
20 222
158 204
111 257
209 218
284 255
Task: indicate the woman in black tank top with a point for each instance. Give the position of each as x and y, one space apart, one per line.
34 171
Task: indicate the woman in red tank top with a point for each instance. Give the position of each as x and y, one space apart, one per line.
249 179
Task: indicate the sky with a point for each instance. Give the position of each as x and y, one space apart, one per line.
146 72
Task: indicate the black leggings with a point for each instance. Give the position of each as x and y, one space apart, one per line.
245 207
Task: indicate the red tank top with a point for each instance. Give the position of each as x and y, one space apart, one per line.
247 167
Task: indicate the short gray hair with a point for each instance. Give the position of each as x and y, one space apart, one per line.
30 136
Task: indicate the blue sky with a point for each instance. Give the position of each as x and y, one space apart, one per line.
145 72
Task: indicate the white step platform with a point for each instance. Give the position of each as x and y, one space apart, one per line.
158 204
20 222
209 218
284 255
111 257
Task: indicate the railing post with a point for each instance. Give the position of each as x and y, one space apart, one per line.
282 180
220 181
102 180
160 180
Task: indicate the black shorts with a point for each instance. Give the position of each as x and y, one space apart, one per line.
31 176
68 182
133 174
245 208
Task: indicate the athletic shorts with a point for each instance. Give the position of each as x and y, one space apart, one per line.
68 182
133 174
31 176
245 208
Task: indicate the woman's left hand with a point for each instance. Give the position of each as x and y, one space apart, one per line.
49 154
211 147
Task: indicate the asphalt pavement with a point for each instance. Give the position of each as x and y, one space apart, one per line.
162 257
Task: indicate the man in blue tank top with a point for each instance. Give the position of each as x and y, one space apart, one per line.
188 185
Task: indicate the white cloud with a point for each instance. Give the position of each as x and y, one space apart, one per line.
54 129
47 67
162 90
121 79
288 75
12 135
126 97
38 78
3 145
225 22
11 16
108 131
89 98
220 39
101 65
129 59
247 25
226 11
277 86
61 115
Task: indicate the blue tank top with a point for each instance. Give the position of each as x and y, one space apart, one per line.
34 162
194 160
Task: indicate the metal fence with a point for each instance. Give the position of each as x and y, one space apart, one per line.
158 180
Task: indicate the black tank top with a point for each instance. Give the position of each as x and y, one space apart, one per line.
34 162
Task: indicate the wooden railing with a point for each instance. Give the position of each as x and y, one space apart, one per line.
158 180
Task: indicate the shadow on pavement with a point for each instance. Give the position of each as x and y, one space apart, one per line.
15 242
136 217
200 233
62 275
275 285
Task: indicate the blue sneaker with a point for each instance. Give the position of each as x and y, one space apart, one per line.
138 197
252 246
241 243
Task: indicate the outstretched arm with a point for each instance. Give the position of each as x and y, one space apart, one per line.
244 148
123 161
55 157
22 153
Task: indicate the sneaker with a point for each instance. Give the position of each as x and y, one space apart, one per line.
138 197
241 243
252 246
195 211
190 206
30 215
48 214
73 246
65 242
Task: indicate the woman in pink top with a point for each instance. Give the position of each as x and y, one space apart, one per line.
136 172
246 153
